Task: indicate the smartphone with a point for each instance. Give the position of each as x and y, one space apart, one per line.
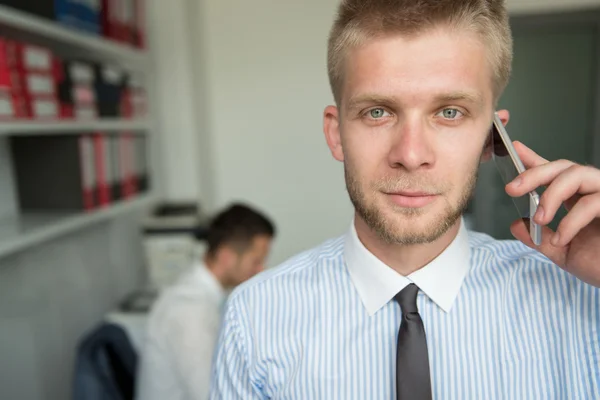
510 166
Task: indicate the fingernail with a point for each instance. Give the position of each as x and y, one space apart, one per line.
517 182
555 239
539 214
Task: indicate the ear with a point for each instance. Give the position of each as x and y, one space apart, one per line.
331 128
488 148
504 116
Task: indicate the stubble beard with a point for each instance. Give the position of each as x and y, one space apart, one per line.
404 228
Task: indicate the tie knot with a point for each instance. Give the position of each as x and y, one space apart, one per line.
407 298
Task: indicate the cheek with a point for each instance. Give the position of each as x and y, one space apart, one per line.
247 266
366 152
461 157
462 164
466 150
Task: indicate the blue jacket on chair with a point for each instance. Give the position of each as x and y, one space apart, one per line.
106 365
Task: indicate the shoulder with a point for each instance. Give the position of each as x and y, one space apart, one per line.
528 283
506 252
180 305
514 265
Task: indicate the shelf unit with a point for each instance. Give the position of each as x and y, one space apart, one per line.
19 231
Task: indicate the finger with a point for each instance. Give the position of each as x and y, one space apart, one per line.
529 157
557 254
581 215
538 176
566 186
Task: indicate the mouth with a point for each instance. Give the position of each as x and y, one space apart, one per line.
412 199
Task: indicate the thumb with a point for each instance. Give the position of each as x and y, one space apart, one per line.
558 255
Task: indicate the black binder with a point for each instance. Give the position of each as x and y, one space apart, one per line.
54 172
109 84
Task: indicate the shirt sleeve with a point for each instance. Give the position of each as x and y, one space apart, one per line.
231 375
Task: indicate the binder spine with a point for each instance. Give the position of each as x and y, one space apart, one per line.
100 155
87 171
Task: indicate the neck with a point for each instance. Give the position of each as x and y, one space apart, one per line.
404 259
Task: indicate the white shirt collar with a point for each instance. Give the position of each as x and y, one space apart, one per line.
377 283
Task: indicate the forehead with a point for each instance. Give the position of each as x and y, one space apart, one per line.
417 68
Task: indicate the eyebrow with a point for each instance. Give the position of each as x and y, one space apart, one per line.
368 99
470 97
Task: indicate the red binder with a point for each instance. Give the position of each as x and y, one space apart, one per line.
139 39
12 106
127 21
110 19
88 177
43 107
29 77
102 158
20 56
134 102
79 90
127 166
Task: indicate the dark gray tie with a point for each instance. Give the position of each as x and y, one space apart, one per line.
412 363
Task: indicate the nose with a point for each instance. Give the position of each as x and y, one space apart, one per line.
411 146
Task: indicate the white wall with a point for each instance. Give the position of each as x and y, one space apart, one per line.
267 82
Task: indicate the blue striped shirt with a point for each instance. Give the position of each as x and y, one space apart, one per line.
515 327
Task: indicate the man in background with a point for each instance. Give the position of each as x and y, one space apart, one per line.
184 323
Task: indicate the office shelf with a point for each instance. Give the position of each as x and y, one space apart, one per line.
20 231
29 229
49 33
22 128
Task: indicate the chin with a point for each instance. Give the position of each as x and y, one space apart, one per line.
398 225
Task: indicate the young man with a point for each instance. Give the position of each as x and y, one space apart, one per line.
184 323
409 304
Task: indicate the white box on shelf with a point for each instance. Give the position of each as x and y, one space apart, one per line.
170 242
168 257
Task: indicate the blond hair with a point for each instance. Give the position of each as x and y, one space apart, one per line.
361 20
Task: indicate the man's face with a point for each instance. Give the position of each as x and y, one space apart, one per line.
414 116
251 261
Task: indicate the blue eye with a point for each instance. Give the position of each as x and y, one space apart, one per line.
377 113
450 113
